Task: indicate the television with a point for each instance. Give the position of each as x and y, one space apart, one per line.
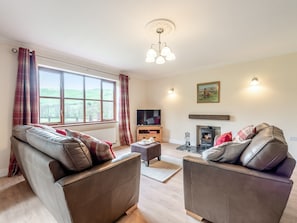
148 117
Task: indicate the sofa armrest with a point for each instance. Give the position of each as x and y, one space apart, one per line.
104 192
286 167
221 192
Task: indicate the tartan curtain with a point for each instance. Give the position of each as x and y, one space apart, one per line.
25 109
124 122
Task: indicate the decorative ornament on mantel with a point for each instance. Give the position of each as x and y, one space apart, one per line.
160 52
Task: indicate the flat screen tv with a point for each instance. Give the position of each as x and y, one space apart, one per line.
148 117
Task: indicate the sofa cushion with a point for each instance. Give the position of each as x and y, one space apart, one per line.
261 126
100 150
246 133
267 149
110 147
71 152
228 152
226 137
45 127
19 131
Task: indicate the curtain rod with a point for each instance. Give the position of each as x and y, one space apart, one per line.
14 50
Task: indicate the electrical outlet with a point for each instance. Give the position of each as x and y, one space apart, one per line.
293 138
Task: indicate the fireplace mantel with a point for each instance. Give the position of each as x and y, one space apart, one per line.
210 117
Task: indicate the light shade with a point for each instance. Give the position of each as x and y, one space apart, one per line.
149 59
165 51
151 53
170 57
160 60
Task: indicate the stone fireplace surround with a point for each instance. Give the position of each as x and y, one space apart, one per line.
217 131
198 148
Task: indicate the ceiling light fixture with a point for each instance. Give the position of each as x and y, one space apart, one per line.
160 52
254 81
171 91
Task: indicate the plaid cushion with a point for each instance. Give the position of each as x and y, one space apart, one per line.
246 133
100 150
110 147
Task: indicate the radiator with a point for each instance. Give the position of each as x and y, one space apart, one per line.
108 134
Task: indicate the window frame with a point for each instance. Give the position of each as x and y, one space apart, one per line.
84 99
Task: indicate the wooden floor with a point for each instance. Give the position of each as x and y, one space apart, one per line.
158 202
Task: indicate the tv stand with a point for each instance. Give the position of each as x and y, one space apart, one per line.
147 131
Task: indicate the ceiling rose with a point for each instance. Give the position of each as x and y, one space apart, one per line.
167 25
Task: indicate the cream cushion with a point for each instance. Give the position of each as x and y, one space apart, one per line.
227 152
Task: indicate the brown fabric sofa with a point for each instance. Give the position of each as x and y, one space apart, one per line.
254 189
69 185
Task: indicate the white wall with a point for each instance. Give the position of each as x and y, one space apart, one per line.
138 99
273 102
8 71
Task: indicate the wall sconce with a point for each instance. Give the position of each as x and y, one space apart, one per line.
254 81
171 91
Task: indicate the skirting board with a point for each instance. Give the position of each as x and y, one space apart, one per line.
3 172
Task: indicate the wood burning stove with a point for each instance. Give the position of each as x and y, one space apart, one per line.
207 135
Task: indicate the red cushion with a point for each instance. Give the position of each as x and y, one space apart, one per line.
226 137
61 131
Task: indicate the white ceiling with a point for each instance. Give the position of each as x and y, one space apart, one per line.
208 32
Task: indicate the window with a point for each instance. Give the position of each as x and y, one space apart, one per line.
67 98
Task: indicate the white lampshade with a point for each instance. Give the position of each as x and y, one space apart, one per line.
151 53
165 51
171 56
149 59
160 60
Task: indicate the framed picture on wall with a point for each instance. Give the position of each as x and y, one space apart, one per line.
208 92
